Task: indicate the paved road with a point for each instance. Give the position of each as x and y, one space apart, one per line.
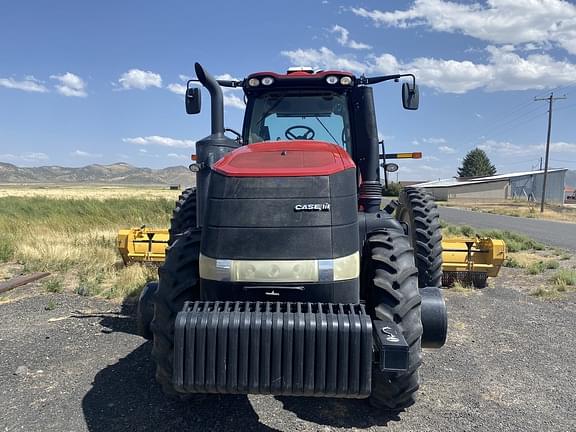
559 234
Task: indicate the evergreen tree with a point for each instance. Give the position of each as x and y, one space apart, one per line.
476 163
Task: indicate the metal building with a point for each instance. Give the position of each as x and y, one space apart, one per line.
522 185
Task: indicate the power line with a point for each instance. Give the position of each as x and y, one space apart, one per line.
565 107
511 121
550 100
508 125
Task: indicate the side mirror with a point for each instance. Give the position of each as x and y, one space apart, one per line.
410 96
193 100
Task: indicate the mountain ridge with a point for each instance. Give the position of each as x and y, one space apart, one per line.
120 173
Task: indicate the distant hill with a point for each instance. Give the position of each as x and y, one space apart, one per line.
118 173
571 179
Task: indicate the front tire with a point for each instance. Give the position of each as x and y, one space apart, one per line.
179 282
393 294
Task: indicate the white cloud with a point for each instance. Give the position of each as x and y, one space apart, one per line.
84 154
324 58
505 69
446 149
70 85
179 89
28 84
343 38
139 79
233 101
24 157
160 140
434 140
226 77
496 21
506 148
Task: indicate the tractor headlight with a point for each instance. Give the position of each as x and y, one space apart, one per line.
331 79
280 271
267 81
253 82
345 80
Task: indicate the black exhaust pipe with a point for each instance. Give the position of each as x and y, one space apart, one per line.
212 148
216 98
367 150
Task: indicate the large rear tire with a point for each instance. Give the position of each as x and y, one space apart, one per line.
419 213
393 294
184 214
179 282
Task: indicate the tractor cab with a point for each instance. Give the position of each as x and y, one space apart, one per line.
300 105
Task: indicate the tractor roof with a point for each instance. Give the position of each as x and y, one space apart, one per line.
298 78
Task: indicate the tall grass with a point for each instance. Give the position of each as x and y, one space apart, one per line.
515 242
76 239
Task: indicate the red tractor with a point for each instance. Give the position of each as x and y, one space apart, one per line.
284 276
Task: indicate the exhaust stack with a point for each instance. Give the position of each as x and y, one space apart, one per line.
212 148
216 98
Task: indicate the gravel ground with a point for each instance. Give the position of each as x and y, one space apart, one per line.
508 366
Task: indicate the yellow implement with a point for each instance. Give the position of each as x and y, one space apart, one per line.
143 244
471 261
465 260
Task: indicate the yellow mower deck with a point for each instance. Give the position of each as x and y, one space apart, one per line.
465 260
471 261
147 245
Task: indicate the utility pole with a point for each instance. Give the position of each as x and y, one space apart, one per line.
550 100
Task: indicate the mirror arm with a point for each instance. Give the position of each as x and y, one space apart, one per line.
223 83
363 80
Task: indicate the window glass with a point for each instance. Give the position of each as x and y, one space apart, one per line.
322 117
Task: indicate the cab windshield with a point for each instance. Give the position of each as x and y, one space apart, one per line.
319 116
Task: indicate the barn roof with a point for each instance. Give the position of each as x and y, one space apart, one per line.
455 181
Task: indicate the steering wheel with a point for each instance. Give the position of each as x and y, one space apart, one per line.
307 135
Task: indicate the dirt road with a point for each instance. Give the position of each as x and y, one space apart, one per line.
508 366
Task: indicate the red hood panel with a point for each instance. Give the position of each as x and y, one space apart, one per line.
297 158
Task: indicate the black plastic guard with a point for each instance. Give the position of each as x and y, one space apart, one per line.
301 349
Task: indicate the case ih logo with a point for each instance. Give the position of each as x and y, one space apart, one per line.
312 207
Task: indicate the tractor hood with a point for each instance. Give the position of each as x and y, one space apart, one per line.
298 158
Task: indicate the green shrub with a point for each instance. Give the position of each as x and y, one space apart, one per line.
6 248
393 189
53 285
565 277
512 262
552 264
536 268
515 242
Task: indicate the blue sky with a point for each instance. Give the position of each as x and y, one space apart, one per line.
101 82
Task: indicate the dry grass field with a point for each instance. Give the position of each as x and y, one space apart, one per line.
526 209
87 191
71 233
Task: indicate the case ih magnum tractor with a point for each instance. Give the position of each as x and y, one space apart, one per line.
283 275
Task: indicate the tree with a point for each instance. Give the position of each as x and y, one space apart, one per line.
476 163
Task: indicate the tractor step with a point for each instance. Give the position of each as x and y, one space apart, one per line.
303 349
